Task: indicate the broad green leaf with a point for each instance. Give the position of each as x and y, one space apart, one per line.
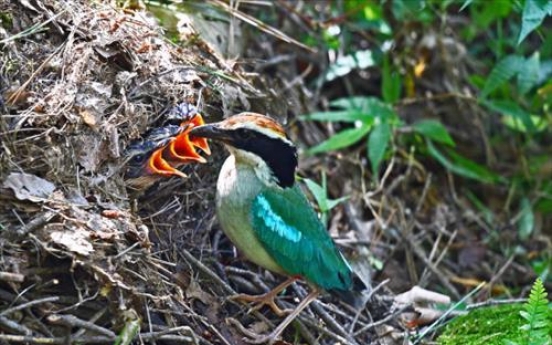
512 109
484 13
350 115
377 145
527 220
434 130
539 123
391 83
465 167
342 139
502 72
354 102
528 75
534 12
474 167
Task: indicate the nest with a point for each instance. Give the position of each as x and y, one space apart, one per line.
81 259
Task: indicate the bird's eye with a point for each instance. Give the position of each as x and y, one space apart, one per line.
247 135
138 158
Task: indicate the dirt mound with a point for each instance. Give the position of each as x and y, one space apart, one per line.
83 259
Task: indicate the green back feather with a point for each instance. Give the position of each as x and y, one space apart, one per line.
290 231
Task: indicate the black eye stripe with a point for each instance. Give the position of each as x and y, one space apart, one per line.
280 156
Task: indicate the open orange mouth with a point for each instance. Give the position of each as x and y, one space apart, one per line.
180 150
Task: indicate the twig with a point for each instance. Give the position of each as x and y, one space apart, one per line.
15 96
324 330
14 326
55 341
207 271
495 302
382 321
330 321
260 25
29 304
213 329
73 321
36 223
93 319
499 273
12 277
161 334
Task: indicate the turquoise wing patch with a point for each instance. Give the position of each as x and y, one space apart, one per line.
290 231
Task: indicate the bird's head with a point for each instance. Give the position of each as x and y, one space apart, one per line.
256 140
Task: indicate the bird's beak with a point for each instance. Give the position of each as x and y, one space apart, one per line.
158 165
182 150
212 131
199 141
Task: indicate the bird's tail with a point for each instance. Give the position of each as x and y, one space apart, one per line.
357 296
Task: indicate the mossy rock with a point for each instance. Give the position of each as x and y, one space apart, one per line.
486 326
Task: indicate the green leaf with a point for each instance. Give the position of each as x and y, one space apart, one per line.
364 109
334 202
502 72
462 166
487 213
536 314
434 130
527 220
349 115
377 145
391 83
509 108
319 194
513 122
342 139
465 4
370 105
129 332
528 75
476 168
534 12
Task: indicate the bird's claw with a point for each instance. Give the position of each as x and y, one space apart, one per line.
261 300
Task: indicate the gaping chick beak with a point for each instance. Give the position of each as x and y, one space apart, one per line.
158 165
183 149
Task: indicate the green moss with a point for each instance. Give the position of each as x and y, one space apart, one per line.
486 326
6 20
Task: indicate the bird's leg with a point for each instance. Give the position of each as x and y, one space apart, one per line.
266 298
272 336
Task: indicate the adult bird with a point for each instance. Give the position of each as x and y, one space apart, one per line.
268 218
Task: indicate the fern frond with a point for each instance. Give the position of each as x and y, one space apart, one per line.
535 314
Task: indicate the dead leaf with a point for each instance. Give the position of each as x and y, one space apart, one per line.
194 291
74 241
90 152
29 187
88 118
